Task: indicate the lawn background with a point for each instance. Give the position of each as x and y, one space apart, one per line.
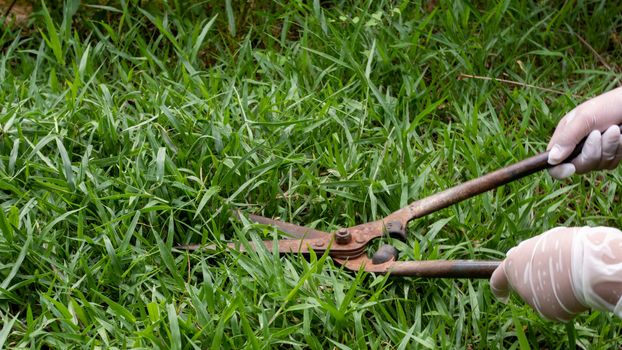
127 128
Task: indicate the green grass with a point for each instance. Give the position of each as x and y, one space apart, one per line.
125 131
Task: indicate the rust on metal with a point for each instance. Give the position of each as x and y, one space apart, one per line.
425 268
342 236
292 230
469 189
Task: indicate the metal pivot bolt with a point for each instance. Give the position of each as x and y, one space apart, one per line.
342 236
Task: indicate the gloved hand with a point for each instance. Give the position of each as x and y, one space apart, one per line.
603 113
564 272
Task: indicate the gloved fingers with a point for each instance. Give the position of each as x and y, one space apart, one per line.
597 113
518 265
618 157
599 152
562 171
571 130
590 156
610 145
539 271
563 140
499 284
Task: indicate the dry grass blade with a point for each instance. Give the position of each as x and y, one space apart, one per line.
516 83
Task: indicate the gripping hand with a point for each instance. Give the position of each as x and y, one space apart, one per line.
602 114
564 272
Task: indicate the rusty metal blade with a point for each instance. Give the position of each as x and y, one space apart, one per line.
303 246
307 237
290 246
293 231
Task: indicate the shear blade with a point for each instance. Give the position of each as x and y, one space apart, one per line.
291 230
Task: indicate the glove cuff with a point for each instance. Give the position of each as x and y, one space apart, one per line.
595 262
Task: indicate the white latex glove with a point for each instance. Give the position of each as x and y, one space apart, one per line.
564 272
602 113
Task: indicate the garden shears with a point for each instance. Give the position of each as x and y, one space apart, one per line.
347 246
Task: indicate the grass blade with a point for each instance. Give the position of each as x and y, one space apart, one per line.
17 264
174 327
68 171
6 330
